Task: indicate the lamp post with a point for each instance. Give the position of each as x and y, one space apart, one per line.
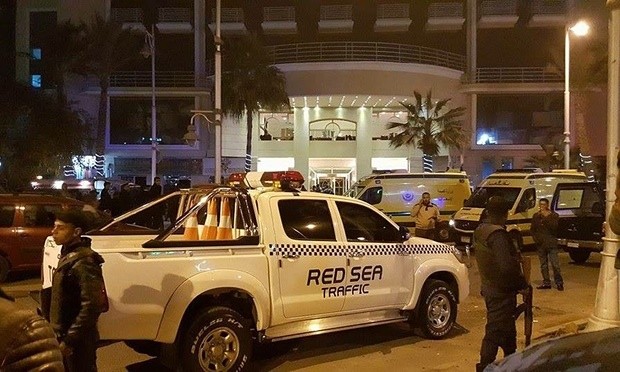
580 28
149 43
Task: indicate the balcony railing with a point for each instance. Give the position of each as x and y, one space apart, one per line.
134 15
364 51
173 79
336 12
445 10
175 15
229 15
548 6
517 75
279 13
125 15
392 11
498 7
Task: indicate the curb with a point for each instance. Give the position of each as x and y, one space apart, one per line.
561 330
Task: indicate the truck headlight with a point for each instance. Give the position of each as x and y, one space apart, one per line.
451 222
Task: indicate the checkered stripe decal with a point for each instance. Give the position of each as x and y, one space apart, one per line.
369 249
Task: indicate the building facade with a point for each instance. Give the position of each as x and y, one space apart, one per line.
349 66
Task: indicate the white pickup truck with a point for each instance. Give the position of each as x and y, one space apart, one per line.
241 265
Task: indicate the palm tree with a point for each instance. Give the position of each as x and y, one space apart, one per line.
428 127
108 47
250 82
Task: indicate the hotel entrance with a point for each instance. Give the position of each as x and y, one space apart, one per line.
332 175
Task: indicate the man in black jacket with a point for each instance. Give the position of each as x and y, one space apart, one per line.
78 293
27 342
502 278
544 231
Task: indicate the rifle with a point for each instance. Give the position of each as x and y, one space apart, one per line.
526 309
527 306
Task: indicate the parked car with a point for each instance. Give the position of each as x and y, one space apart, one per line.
581 207
25 221
589 351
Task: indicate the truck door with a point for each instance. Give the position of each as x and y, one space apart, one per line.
310 263
376 259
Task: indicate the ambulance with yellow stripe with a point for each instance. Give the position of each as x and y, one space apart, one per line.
264 261
522 189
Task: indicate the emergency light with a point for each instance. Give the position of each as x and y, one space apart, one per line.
273 179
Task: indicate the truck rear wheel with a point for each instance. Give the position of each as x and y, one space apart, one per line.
218 339
4 269
437 309
579 255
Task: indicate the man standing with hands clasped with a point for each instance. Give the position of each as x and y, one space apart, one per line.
501 280
544 231
78 293
425 215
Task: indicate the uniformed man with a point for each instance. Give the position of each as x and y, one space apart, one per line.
425 215
501 277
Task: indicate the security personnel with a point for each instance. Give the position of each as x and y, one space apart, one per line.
502 279
425 215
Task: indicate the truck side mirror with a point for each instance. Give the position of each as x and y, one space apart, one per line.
404 233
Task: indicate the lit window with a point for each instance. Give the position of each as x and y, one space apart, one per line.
35 80
36 53
486 139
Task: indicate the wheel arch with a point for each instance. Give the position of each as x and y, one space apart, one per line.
238 290
456 276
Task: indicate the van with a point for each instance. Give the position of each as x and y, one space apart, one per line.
395 194
522 190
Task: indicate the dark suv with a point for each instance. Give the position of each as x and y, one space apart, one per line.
581 207
25 221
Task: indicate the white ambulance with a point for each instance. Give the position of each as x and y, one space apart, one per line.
522 189
395 194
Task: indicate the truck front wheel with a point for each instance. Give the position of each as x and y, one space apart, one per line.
218 339
437 309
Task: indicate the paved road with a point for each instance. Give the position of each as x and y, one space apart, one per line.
394 347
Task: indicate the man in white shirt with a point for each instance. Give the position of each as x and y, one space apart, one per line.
425 215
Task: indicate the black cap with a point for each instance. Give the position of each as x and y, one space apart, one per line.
497 205
74 217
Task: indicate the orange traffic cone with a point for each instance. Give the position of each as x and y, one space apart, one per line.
209 232
224 229
191 228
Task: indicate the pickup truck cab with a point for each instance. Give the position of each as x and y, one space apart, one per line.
241 264
581 207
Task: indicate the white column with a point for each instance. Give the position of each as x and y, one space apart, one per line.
606 312
200 49
153 109
218 92
472 36
363 142
301 141
566 98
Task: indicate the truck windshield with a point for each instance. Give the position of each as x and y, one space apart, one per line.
355 190
479 198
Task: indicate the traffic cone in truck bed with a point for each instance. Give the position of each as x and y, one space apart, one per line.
224 229
209 232
191 228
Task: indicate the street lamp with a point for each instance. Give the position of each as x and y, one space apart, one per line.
580 28
149 44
